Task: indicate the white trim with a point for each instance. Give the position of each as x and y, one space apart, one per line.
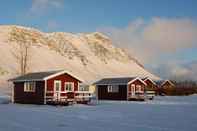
78 86
45 91
12 94
139 88
113 88
133 89
49 77
109 89
83 92
49 97
137 78
60 73
150 80
87 96
53 97
72 86
112 84
127 92
167 81
54 85
96 92
58 92
29 86
49 91
61 91
27 80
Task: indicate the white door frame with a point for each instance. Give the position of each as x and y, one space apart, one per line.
133 86
57 93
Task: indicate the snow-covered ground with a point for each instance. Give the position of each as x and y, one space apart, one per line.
161 114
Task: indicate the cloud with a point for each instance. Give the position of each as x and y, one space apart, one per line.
39 7
147 40
152 41
178 71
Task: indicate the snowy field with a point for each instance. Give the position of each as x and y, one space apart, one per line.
162 114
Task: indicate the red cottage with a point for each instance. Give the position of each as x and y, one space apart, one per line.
151 88
53 87
165 87
125 88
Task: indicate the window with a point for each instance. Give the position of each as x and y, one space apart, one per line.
109 88
113 89
139 88
83 87
69 86
132 87
57 85
29 87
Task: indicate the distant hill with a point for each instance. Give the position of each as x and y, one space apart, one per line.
90 56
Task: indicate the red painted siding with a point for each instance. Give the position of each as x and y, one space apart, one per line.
103 94
137 82
150 85
36 97
63 78
167 84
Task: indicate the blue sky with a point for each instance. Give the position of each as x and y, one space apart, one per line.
130 19
78 16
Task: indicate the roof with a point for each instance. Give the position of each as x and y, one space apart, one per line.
116 81
40 76
147 78
161 82
144 78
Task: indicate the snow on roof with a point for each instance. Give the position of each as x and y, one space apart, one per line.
113 81
40 76
161 82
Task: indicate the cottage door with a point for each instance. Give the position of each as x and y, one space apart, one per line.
57 89
133 89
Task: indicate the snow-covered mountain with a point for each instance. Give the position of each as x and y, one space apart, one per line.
89 56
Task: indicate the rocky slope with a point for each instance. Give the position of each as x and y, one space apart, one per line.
89 56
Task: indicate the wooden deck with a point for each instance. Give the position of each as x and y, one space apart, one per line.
137 96
82 97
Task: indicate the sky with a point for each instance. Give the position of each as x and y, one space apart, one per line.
160 33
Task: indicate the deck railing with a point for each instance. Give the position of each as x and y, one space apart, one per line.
70 96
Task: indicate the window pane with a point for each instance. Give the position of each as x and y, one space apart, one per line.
68 86
29 86
115 88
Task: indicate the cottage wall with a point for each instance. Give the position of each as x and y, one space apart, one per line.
103 93
63 78
36 97
150 86
137 82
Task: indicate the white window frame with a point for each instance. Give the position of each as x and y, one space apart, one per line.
72 86
109 88
30 86
80 87
57 81
133 89
139 88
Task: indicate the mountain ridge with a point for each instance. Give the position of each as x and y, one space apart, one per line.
90 55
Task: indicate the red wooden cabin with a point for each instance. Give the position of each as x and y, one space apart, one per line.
165 87
125 88
53 87
151 88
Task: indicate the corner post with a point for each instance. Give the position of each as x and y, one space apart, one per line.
45 91
12 88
